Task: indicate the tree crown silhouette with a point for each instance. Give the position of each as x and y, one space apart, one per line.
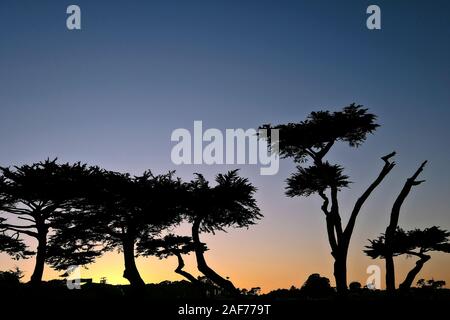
411 242
38 195
314 136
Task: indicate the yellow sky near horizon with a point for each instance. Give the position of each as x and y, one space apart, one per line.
246 266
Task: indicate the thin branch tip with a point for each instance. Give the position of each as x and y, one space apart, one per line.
388 156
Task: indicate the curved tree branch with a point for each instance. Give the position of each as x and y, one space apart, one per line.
388 166
27 232
409 279
393 223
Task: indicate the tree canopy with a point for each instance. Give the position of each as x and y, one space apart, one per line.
411 242
415 242
314 136
34 197
122 209
230 203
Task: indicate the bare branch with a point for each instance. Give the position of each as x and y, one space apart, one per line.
388 166
324 150
26 219
311 153
17 211
395 212
29 233
18 227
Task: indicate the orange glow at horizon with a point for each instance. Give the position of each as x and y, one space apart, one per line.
246 268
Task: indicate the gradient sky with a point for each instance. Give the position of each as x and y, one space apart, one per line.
112 93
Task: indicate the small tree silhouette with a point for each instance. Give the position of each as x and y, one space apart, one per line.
413 243
430 284
38 194
312 139
230 203
170 245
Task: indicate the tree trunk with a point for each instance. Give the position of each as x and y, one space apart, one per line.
340 272
183 273
393 224
203 266
406 284
197 283
36 277
390 273
131 272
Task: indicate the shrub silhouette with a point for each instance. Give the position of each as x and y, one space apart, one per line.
354 286
430 284
10 278
316 286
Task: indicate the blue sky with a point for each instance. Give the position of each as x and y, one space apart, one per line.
112 93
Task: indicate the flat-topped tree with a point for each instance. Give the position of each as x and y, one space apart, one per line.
34 197
416 243
122 210
229 203
312 139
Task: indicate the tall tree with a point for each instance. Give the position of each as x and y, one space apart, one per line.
36 195
312 139
228 204
412 243
393 224
122 209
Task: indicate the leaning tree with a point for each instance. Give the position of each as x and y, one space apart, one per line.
34 197
312 139
416 243
229 203
171 245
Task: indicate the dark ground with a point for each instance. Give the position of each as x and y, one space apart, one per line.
164 300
